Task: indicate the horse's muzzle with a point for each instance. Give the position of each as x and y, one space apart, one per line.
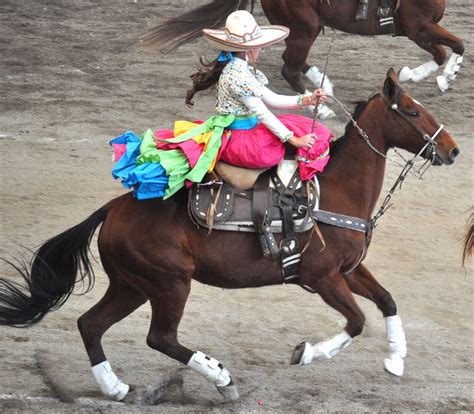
446 159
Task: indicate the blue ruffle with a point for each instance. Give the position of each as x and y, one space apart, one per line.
149 180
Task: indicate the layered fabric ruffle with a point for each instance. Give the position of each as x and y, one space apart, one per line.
158 164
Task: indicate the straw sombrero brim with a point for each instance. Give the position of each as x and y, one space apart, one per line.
269 36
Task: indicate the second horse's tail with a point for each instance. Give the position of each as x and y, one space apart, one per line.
51 276
172 33
468 239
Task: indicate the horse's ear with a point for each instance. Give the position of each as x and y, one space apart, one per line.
391 87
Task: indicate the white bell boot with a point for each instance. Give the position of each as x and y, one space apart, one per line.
215 373
450 72
108 382
419 73
305 354
397 344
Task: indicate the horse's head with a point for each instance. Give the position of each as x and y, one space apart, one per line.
411 127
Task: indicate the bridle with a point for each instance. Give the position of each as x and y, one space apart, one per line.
407 167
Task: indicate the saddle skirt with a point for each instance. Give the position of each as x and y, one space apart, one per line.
229 201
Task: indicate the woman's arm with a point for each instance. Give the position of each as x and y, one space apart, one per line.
258 108
276 101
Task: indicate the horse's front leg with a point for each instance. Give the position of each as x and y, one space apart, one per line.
363 283
336 293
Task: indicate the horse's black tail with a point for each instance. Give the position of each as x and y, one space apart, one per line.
174 32
50 276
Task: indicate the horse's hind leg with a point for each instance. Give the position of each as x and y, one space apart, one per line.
426 69
363 283
168 305
336 293
432 37
118 302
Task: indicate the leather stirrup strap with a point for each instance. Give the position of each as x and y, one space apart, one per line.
260 200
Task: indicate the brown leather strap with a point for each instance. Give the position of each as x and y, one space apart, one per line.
260 200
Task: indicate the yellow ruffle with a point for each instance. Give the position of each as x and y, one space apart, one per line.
181 127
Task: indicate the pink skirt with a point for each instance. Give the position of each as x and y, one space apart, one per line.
260 148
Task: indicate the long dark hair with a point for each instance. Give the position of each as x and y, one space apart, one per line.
206 77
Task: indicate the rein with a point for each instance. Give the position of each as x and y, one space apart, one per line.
429 147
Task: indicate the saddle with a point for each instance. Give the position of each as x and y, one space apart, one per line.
265 202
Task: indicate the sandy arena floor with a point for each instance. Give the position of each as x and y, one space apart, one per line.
72 77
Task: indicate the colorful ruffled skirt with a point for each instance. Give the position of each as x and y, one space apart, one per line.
158 164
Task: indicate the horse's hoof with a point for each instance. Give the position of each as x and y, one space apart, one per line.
394 365
131 396
302 354
405 74
122 391
229 391
442 82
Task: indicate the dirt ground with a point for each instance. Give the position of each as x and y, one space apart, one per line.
72 77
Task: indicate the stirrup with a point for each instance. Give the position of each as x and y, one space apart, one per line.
268 243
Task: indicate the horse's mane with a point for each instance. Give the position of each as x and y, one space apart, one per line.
338 144
176 31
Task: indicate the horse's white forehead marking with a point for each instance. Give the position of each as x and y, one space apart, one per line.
417 102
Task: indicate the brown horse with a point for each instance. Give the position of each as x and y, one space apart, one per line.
417 20
151 250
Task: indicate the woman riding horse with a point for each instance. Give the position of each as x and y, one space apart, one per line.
159 164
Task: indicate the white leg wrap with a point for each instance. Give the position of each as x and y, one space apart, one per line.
323 351
419 73
211 368
450 72
108 382
315 76
397 346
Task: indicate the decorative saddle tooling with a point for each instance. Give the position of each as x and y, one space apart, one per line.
265 202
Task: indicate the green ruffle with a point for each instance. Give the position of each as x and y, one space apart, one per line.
175 162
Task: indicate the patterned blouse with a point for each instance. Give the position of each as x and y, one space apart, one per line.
238 79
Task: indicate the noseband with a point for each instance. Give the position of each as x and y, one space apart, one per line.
429 147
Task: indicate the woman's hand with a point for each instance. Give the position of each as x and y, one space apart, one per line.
307 140
316 98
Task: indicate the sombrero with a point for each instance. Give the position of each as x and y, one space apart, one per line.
242 33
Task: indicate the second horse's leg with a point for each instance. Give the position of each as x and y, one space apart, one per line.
336 293
432 37
363 283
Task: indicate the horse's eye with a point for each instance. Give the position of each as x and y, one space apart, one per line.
414 113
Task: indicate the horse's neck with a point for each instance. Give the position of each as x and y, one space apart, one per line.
353 179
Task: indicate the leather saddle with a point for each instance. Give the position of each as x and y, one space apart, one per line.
227 199
260 201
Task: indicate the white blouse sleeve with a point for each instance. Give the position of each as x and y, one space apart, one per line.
276 101
258 108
